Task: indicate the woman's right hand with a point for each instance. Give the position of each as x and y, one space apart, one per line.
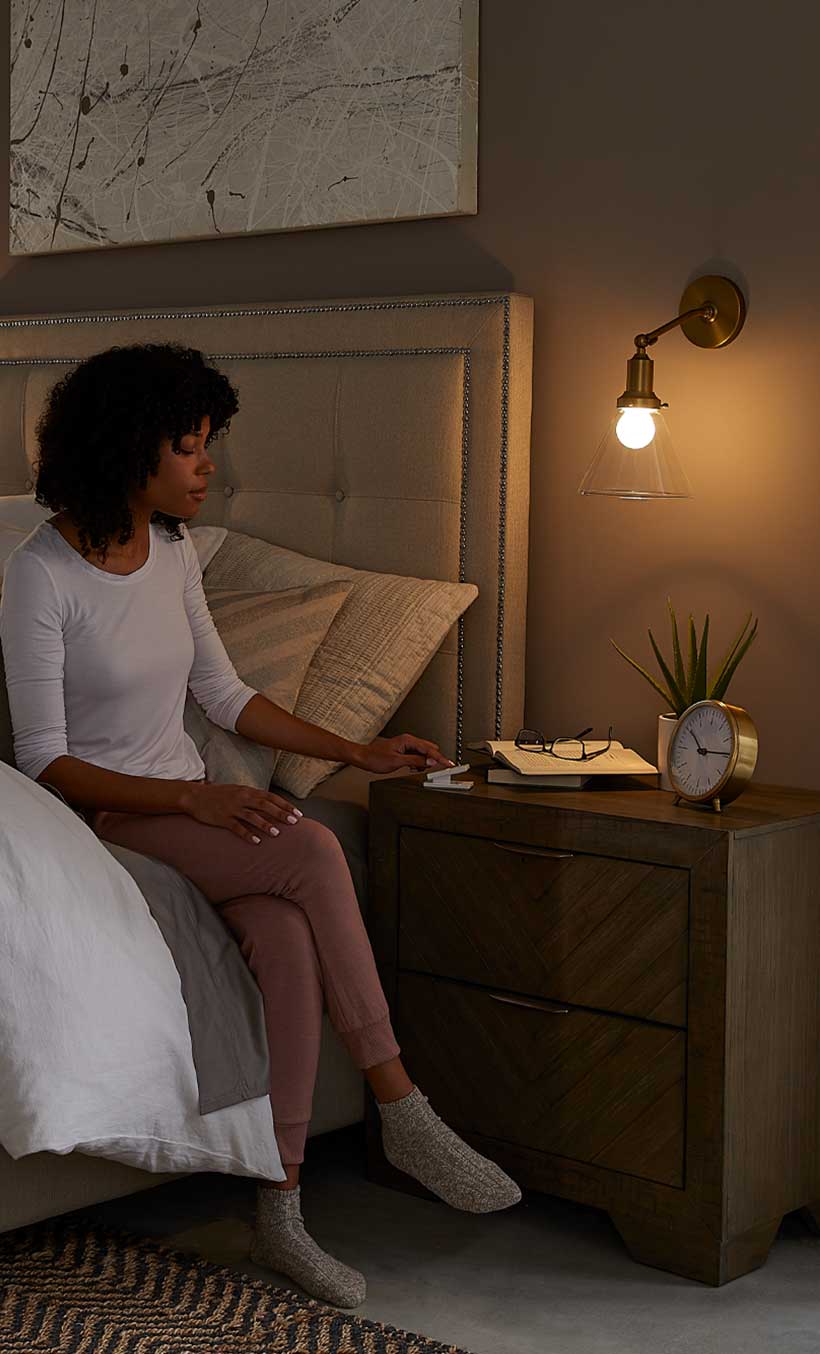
242 809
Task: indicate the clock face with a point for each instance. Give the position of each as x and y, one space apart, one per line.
701 751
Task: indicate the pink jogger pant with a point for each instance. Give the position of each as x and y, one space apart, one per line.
291 904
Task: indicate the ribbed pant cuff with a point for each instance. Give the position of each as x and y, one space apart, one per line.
290 1139
370 1045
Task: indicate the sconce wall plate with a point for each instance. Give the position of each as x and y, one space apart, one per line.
730 304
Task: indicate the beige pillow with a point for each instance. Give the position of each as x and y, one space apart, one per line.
372 655
270 638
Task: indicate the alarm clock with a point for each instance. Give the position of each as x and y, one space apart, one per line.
712 753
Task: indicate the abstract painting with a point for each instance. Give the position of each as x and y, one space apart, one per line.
136 121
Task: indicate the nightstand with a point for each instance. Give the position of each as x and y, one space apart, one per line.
614 998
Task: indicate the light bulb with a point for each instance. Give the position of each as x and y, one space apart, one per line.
635 428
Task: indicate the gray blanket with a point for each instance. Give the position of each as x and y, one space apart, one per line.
226 1016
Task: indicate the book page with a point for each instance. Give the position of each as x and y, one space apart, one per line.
617 761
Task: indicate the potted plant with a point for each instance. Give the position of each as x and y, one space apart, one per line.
685 684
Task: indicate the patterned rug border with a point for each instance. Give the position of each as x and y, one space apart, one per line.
28 1240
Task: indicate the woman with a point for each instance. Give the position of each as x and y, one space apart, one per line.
104 626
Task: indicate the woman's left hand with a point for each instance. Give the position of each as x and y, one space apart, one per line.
388 754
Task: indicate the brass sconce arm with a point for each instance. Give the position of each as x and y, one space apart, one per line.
712 311
711 315
706 312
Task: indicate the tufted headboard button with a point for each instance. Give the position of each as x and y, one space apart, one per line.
29 485
228 490
340 493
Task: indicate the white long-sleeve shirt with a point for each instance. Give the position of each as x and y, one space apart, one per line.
98 664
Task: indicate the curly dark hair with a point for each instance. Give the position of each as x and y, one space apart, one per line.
99 434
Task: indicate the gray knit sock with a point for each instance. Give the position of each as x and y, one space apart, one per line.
416 1141
281 1243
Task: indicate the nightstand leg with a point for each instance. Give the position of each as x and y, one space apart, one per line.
689 1248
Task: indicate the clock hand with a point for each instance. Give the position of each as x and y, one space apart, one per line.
713 752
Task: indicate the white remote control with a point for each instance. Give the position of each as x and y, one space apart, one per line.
447 771
442 779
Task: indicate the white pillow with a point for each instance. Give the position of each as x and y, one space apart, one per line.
207 541
22 511
10 538
95 1049
19 515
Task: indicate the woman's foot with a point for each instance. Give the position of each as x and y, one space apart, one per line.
416 1141
281 1243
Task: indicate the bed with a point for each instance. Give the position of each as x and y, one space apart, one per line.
388 434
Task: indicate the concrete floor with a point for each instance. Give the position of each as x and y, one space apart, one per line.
545 1277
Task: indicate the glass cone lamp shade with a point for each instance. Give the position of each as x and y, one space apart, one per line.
636 459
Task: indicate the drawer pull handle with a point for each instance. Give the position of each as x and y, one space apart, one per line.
545 1006
534 851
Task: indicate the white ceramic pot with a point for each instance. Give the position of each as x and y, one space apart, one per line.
666 724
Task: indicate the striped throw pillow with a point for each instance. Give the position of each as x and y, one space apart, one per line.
270 638
374 652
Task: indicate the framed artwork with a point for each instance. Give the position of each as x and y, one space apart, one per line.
138 121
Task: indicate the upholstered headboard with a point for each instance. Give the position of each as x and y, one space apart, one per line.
388 434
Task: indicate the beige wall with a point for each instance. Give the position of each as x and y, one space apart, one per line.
614 167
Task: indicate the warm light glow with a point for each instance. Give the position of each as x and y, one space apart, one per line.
635 428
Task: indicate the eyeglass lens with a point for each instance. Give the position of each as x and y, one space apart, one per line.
569 749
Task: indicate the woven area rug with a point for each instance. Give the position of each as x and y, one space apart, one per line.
86 1290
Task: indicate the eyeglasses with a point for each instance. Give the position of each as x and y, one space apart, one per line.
568 749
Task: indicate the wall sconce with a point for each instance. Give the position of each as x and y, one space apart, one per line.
636 458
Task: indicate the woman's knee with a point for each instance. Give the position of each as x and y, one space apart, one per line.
320 849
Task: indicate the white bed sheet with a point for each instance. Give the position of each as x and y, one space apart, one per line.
95 1052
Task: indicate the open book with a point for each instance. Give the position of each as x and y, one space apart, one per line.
543 768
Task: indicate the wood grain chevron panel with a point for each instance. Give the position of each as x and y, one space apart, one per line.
592 1088
589 930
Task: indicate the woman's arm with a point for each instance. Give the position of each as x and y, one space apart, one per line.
264 722
213 679
92 787
86 786
272 726
31 628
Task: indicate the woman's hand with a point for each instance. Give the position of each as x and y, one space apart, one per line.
388 754
242 809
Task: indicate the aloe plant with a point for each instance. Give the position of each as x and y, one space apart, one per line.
688 683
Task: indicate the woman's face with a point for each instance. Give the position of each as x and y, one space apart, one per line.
178 488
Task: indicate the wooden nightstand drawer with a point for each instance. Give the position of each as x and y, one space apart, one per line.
594 1088
588 930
